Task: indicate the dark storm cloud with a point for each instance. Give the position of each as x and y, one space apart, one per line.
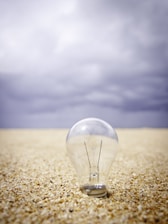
47 95
61 61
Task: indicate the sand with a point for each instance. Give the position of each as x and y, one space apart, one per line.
39 185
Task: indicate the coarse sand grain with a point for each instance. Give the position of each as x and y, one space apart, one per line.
39 185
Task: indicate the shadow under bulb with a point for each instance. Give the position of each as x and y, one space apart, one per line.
92 145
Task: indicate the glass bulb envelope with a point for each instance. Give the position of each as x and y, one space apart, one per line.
92 145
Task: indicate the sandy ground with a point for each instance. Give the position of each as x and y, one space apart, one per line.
39 185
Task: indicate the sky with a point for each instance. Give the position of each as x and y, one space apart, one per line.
65 60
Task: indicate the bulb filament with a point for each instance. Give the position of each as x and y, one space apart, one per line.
94 175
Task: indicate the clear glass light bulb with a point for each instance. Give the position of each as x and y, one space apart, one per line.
91 146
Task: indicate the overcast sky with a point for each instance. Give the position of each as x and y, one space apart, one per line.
64 60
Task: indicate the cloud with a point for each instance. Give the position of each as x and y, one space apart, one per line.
63 60
46 37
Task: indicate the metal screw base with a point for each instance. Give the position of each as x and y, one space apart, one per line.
97 190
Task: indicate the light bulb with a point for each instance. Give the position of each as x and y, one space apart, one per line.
92 145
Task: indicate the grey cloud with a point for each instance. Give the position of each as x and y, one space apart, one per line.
47 94
63 60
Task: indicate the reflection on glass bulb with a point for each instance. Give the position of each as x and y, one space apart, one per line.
91 146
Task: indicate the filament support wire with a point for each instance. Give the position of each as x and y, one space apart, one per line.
87 153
